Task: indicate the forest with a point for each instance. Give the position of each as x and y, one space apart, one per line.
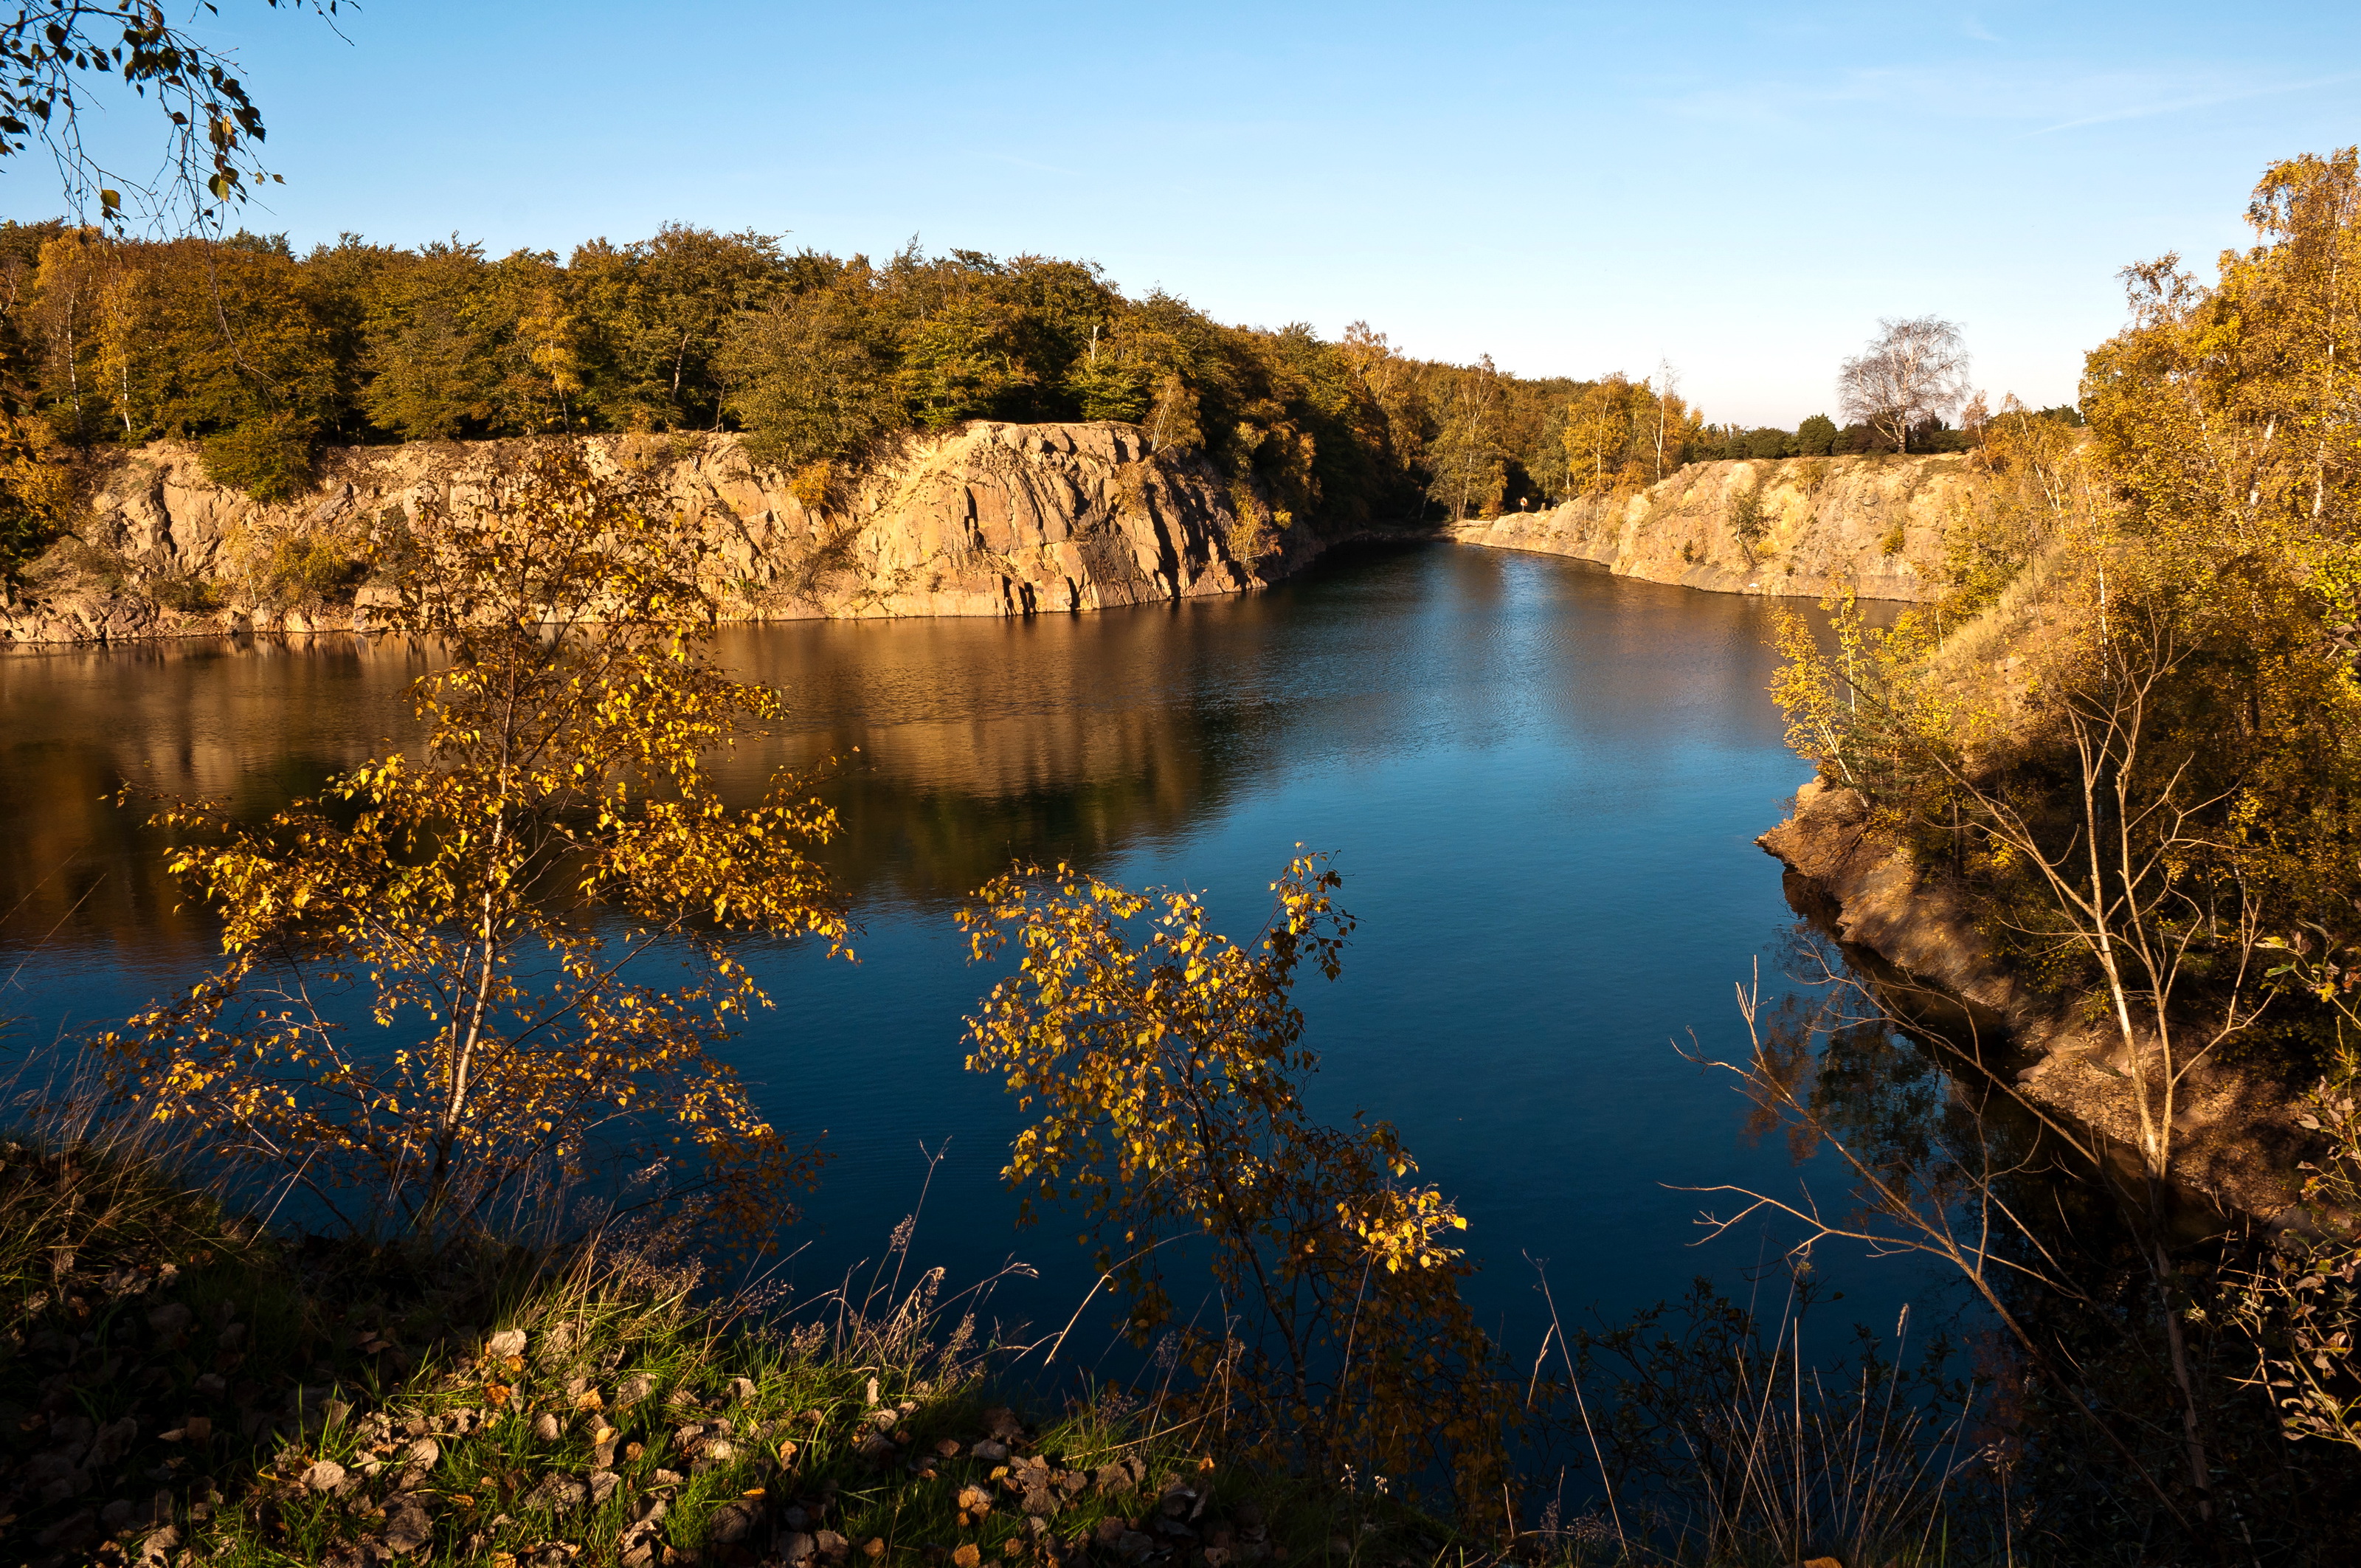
264 357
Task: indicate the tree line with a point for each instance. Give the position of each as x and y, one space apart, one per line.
263 356
821 362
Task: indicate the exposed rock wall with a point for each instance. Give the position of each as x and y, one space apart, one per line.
2232 1131
987 519
1878 521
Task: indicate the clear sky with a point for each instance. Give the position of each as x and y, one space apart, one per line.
1741 190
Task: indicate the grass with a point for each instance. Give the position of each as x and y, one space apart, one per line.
179 1384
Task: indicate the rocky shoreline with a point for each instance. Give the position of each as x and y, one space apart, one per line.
986 519
1818 524
2234 1141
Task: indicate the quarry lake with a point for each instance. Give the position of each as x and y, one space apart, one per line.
1541 782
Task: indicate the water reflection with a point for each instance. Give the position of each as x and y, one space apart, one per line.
1542 780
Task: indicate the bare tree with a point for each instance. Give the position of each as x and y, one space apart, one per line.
1913 370
1668 387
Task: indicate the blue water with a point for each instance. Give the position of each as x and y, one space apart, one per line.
1541 781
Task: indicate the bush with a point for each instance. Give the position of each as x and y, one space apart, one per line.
304 570
1748 520
190 596
270 458
1816 437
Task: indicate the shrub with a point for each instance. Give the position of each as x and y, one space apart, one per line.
304 570
190 596
268 457
1163 1063
1747 520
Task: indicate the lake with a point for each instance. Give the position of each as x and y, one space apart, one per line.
1541 783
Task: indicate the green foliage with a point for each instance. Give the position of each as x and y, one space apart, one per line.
818 360
301 569
1816 437
813 376
268 457
1748 523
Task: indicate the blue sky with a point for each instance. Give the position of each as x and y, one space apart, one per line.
1572 189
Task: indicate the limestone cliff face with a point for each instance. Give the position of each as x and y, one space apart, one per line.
1878 521
986 519
2232 1133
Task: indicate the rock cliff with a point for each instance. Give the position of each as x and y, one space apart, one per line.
2232 1136
1880 521
986 520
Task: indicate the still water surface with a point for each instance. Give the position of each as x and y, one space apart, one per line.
1542 783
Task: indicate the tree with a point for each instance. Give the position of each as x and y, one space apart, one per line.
1915 370
1598 432
435 1005
664 307
1466 455
1163 1071
53 53
813 376
1816 436
1665 421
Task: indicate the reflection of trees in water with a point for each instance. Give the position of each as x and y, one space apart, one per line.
960 746
2085 1432
254 722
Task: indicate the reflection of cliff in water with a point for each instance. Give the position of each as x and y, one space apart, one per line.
252 722
958 746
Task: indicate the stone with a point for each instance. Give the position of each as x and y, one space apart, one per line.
985 518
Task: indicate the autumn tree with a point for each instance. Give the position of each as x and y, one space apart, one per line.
1913 370
1161 1066
459 980
1598 432
1465 456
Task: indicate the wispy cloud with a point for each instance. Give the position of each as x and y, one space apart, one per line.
2038 101
1975 29
2196 101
